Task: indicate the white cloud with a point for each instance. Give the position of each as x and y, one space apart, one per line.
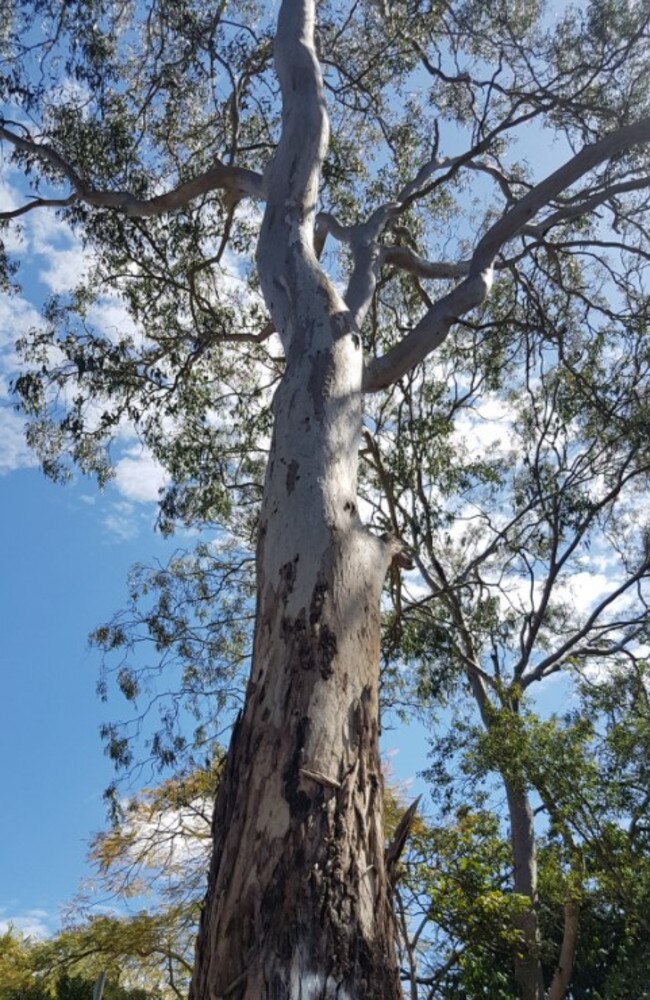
172 837
416 588
486 428
138 476
121 521
66 261
516 590
14 453
601 671
585 589
112 319
47 230
65 270
44 234
12 237
8 197
30 923
17 316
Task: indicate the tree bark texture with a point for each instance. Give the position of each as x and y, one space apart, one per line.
297 904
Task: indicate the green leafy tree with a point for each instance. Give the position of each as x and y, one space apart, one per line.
153 857
516 470
24 975
149 874
461 923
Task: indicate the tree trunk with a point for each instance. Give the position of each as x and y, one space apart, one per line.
297 902
528 966
562 976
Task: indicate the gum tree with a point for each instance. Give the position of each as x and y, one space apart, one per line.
150 128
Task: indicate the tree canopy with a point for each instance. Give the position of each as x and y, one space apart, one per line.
121 112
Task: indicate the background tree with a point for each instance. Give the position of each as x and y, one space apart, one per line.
457 911
136 919
532 548
152 173
23 977
457 893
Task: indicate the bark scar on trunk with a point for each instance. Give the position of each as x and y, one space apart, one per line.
292 476
319 778
398 552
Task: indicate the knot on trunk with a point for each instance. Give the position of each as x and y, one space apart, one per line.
399 553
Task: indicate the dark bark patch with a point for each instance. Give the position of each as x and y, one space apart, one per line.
314 646
362 725
317 602
328 649
341 323
319 383
302 645
288 577
299 801
292 476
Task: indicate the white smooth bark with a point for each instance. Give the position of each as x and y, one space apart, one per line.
298 902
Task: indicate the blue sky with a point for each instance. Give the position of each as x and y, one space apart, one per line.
63 572
66 553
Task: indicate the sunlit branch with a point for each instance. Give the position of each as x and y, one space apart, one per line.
432 330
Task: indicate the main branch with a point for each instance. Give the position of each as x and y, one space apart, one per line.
433 328
237 181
